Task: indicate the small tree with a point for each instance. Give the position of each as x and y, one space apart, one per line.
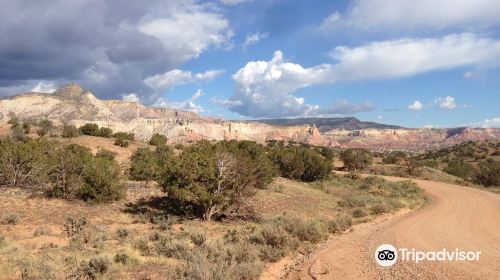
210 178
44 127
144 165
459 168
411 164
356 159
67 170
103 181
91 129
158 140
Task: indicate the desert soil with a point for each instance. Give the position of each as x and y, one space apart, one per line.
455 217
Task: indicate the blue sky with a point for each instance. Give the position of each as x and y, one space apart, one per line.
410 63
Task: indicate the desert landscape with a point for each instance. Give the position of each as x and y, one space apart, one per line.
249 139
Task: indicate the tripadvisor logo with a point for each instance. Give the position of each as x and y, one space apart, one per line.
386 255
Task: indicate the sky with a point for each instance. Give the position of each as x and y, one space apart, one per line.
412 63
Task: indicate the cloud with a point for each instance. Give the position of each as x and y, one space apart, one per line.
186 105
490 123
234 2
44 87
447 103
264 89
108 46
424 14
330 21
176 77
169 79
253 38
407 57
415 106
209 75
131 97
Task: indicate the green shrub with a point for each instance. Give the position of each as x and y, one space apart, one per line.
124 259
124 135
103 153
143 165
68 166
24 164
488 173
300 163
122 142
90 129
356 159
44 127
459 168
103 181
105 132
70 131
339 224
158 140
18 134
14 122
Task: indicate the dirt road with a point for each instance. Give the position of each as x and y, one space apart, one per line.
455 217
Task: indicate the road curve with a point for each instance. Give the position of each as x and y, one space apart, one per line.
455 217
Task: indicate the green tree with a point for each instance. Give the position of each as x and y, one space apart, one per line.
144 165
103 181
210 178
24 164
356 159
316 167
69 164
158 140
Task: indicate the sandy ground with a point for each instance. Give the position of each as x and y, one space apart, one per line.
455 217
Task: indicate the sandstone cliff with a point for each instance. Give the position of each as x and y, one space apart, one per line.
73 105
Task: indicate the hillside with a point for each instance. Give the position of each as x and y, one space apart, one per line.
73 105
327 124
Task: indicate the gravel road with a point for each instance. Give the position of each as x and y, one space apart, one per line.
456 217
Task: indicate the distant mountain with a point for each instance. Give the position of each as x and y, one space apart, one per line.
327 124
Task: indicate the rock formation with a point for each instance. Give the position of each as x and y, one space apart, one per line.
71 104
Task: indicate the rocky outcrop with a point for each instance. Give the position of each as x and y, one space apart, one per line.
411 139
73 105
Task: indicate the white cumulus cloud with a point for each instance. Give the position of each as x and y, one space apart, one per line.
447 103
415 106
491 123
264 89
